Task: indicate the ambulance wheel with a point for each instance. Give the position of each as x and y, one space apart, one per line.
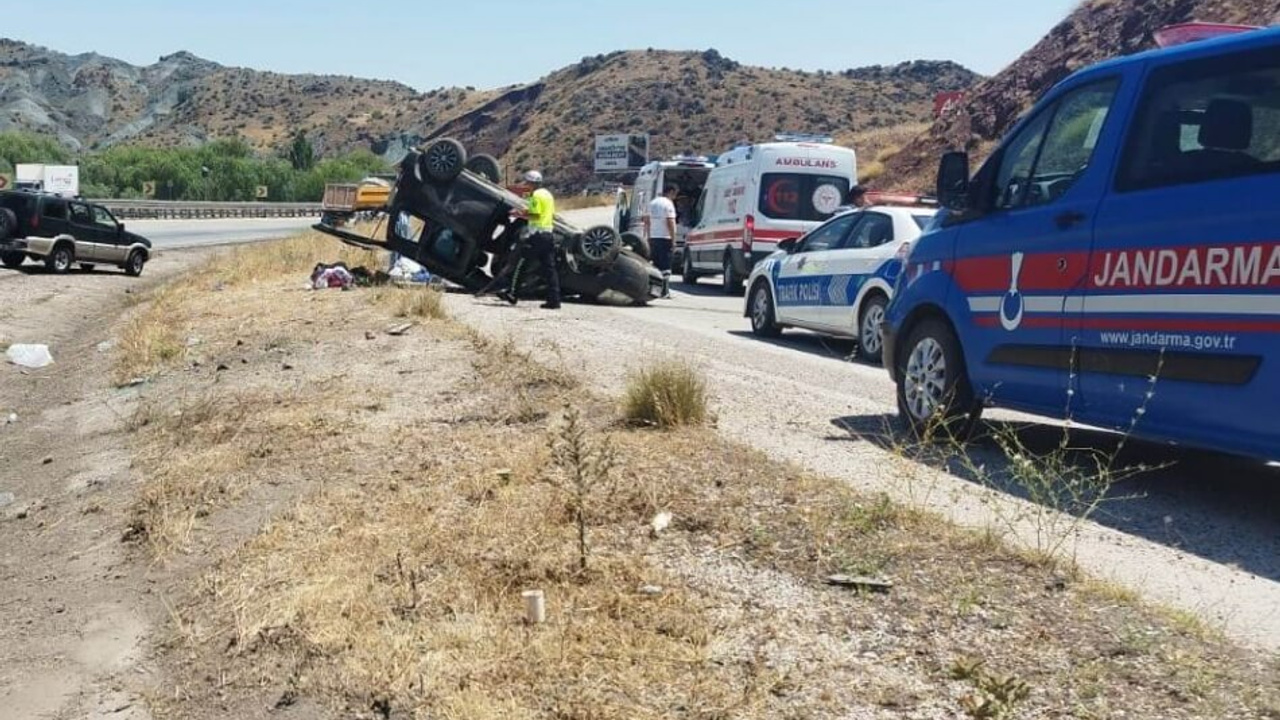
870 334
935 399
444 160
763 318
732 283
687 273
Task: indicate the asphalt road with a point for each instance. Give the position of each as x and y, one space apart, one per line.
1197 530
175 234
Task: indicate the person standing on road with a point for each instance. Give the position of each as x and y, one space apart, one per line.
540 243
660 229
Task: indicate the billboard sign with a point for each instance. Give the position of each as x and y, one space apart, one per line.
945 102
621 152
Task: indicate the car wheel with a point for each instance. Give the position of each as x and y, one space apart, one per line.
637 245
687 273
8 223
763 319
870 334
732 283
12 260
444 160
933 386
487 167
87 267
61 259
133 265
599 245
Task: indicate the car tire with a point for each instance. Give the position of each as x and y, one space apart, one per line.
732 283
487 167
637 245
764 318
61 259
870 334
12 260
87 267
935 398
598 246
687 273
443 161
134 263
8 224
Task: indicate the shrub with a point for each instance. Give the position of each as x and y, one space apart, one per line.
668 395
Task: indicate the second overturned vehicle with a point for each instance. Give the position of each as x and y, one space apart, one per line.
468 231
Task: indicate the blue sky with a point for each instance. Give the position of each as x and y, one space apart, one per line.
490 43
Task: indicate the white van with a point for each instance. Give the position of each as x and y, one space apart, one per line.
687 173
759 195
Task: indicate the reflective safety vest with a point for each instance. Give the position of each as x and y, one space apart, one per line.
542 210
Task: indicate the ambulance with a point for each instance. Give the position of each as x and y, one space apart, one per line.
1116 260
759 195
688 173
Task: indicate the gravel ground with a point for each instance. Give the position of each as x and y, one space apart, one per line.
1211 549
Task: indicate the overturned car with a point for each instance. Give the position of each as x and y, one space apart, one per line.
468 233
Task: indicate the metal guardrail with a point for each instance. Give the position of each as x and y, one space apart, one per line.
184 210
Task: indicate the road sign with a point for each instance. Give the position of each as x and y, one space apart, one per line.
6 180
149 189
260 192
621 152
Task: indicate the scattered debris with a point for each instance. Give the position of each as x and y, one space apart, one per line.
370 335
404 270
223 367
47 461
331 276
106 346
135 382
651 590
660 522
29 356
398 330
286 366
13 418
535 607
860 583
7 499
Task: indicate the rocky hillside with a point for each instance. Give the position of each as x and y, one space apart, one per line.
688 101
1097 30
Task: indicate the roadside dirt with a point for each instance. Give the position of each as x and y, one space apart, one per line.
73 608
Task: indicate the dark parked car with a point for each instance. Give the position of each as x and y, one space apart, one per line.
62 232
468 231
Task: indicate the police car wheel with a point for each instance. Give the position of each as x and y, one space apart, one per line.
763 322
870 337
933 386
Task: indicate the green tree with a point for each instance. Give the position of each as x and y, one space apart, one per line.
301 155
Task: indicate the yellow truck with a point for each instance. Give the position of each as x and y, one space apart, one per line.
343 201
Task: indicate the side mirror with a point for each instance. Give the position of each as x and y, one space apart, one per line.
789 245
953 181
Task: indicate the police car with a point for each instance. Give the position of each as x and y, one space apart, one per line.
837 279
1115 260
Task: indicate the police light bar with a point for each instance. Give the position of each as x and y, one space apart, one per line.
1183 33
900 198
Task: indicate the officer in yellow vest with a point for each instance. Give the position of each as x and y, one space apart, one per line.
540 244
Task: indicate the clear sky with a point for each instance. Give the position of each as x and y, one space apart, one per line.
490 43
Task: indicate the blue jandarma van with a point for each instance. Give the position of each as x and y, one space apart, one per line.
1116 260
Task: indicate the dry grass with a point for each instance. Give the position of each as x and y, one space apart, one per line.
151 339
668 395
582 202
413 302
387 581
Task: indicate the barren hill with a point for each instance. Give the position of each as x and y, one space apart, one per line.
1097 30
688 101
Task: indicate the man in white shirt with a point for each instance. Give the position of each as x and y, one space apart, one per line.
660 229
